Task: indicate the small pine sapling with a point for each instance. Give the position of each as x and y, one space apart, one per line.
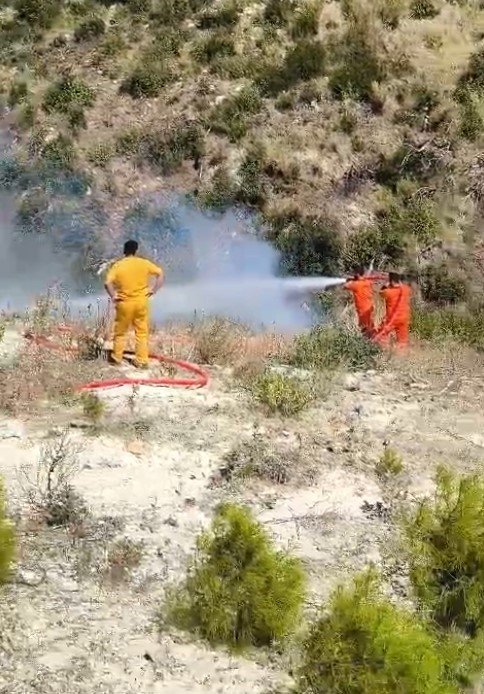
239 590
7 538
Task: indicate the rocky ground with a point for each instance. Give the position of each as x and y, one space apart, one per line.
152 471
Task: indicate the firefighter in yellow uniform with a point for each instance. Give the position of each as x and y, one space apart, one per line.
129 286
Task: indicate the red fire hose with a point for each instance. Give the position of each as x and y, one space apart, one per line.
199 380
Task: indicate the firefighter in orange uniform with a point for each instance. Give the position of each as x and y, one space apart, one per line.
397 297
361 287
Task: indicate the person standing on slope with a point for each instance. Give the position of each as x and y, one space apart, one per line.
128 285
397 297
361 287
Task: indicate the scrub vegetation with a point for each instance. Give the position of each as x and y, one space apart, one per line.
239 590
7 538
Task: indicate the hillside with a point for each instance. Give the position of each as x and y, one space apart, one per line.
352 127
311 520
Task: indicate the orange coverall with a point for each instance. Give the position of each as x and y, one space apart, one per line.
130 277
397 313
362 290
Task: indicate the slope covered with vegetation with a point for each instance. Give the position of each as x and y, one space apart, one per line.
353 127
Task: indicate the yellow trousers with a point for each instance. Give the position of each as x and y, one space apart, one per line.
129 314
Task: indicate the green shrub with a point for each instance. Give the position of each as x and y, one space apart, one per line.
226 15
231 117
112 45
389 464
278 12
12 173
166 43
138 6
376 244
128 142
391 11
251 189
471 121
239 590
31 212
67 93
218 44
18 94
328 348
281 394
93 408
348 120
26 116
7 539
413 218
59 153
439 286
198 5
170 12
473 77
308 245
367 645
101 154
82 8
38 13
91 29
167 150
445 542
146 81
423 9
222 191
449 324
236 67
305 60
305 21
411 163
358 65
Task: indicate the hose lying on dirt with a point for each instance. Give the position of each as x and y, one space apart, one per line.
198 380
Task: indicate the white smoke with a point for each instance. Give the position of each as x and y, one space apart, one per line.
222 267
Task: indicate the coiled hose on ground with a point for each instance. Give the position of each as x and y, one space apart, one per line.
198 380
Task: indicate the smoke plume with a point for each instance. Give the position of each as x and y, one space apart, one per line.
214 265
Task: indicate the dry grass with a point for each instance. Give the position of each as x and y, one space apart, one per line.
276 462
39 377
446 366
223 342
122 558
41 374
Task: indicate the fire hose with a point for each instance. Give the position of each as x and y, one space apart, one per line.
199 379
